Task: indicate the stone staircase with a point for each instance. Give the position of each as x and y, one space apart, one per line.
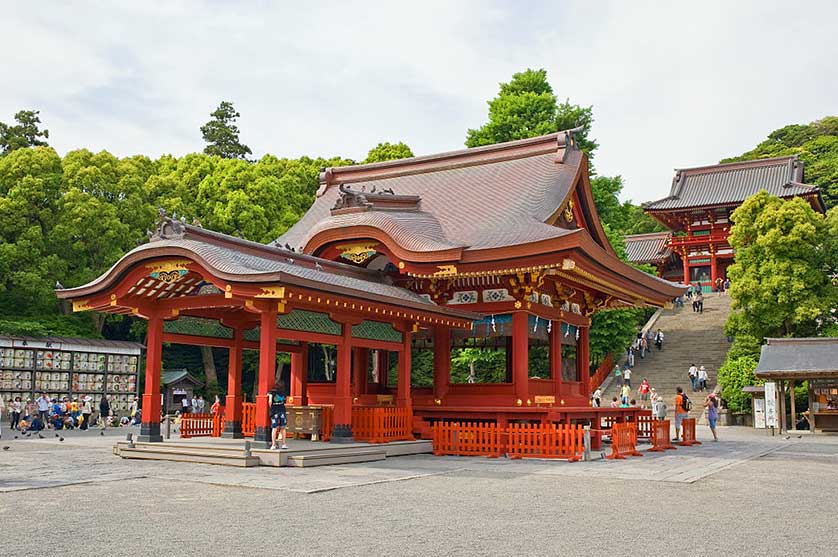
689 338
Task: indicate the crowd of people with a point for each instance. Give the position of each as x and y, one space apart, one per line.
63 414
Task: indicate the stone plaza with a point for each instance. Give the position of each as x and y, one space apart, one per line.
750 493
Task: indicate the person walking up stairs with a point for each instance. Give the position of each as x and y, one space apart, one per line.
691 338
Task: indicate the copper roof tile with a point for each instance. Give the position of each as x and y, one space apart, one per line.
732 183
648 248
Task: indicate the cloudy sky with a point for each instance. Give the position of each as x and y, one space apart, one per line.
671 85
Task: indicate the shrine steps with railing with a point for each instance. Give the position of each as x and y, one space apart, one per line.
689 338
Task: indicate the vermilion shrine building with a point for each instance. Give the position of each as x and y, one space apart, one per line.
697 211
497 249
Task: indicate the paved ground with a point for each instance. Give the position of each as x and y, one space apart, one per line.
747 494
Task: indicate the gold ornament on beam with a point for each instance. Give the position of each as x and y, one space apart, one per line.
445 271
358 253
568 211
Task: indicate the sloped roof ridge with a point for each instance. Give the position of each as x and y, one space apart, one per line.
647 235
737 165
459 158
273 252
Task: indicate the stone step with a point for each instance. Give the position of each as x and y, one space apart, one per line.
223 458
331 457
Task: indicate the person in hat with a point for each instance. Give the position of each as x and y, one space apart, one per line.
711 403
86 412
702 378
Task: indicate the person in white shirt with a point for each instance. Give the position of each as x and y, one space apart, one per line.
693 373
597 398
627 376
702 378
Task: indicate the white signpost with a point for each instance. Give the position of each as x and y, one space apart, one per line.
771 404
759 413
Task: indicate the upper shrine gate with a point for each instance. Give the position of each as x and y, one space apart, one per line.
496 248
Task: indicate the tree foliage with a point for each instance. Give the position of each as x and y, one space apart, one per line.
222 134
779 281
734 375
26 133
525 107
388 152
817 145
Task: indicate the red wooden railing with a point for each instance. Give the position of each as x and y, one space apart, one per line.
546 441
602 372
197 425
516 440
248 419
382 424
467 439
623 441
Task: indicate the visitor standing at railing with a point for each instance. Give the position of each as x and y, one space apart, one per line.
279 419
596 398
682 408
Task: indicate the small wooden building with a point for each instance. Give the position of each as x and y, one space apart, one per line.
792 360
178 384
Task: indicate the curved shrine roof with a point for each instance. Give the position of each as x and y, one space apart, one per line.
732 183
486 197
647 248
238 260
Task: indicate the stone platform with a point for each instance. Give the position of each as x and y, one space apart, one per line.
300 453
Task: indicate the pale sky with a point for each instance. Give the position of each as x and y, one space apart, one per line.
672 84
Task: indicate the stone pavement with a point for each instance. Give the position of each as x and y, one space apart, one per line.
747 494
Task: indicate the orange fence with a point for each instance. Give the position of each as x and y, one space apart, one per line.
467 439
688 433
602 372
380 424
546 441
197 425
623 441
248 419
327 421
660 437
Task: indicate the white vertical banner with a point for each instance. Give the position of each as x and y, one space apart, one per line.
759 413
771 404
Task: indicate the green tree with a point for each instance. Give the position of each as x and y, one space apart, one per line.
222 134
388 152
817 145
525 107
779 283
25 133
734 375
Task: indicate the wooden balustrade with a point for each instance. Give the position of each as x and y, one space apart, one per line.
546 441
602 372
197 425
381 424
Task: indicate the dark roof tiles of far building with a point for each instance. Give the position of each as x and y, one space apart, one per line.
798 357
648 248
470 199
732 183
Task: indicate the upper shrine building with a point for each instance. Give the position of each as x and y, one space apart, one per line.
396 266
697 212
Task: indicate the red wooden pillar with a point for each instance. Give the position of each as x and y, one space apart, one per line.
556 358
299 376
520 355
150 426
714 272
583 361
267 374
403 389
342 432
233 404
686 261
360 371
442 361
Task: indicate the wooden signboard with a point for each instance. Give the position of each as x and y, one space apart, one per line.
545 400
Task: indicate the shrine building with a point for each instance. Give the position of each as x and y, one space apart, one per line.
697 213
454 286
